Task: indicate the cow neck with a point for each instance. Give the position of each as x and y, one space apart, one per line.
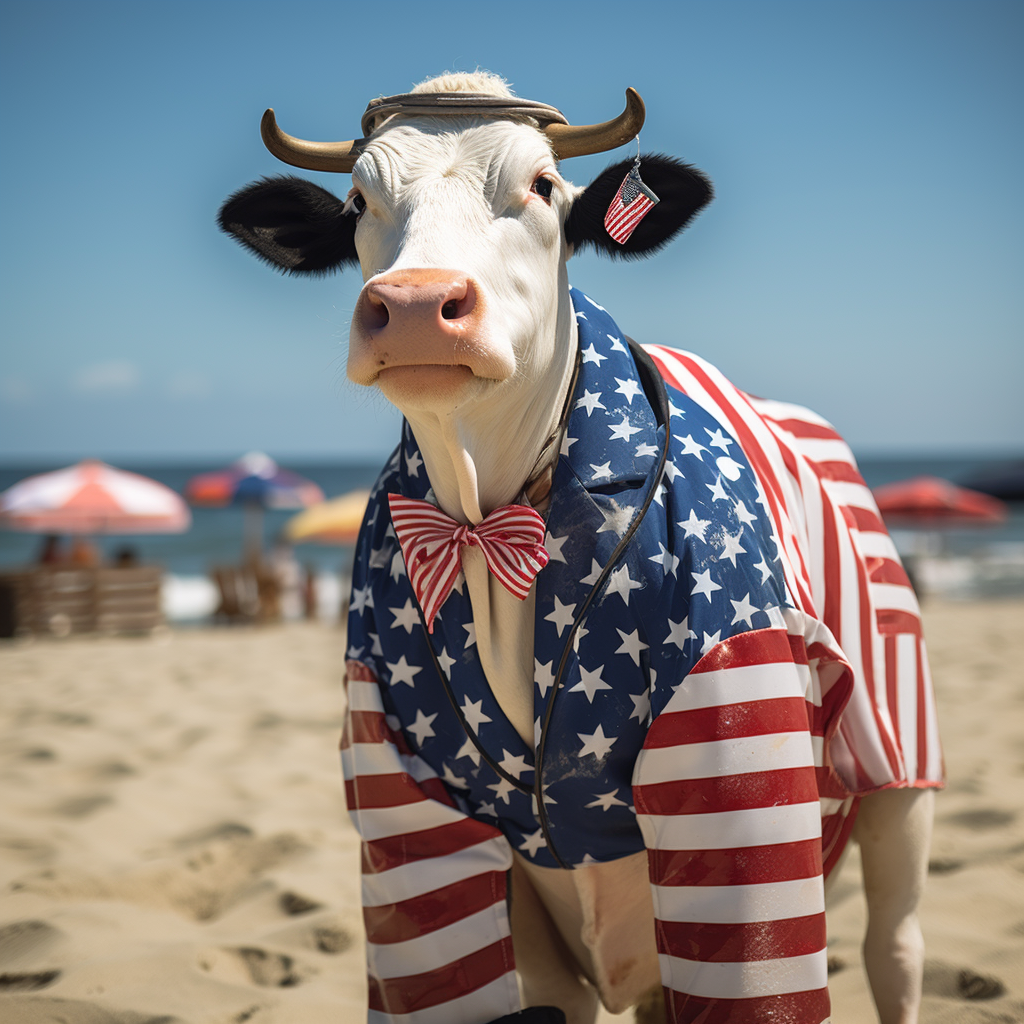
482 457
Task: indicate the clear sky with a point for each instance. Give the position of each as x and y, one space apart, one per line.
863 255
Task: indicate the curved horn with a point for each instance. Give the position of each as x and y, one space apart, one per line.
581 140
313 156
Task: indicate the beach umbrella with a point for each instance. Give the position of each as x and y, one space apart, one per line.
336 521
92 498
256 482
930 501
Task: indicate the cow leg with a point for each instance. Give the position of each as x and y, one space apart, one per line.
893 830
548 972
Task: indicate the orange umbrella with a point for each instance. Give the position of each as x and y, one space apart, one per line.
331 522
932 501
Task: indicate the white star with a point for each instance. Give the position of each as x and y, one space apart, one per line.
375 647
668 562
421 728
352 654
641 706
553 545
445 662
470 628
468 749
590 401
543 676
591 355
361 599
532 843
577 639
617 345
514 765
452 779
567 443
624 430
604 471
620 583
562 616
595 571
596 743
397 565
704 584
473 713
674 411
710 641
629 389
486 807
680 632
672 471
402 671
379 557
729 468
731 546
413 463
691 447
616 518
743 514
662 491
744 610
502 788
717 490
645 449
407 616
606 801
764 569
694 526
631 644
590 683
719 440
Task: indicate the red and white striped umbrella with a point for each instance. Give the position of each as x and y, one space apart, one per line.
92 497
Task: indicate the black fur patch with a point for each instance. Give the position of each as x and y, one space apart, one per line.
682 189
292 224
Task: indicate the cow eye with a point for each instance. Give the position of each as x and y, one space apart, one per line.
542 186
356 203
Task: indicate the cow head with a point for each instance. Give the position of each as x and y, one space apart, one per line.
461 223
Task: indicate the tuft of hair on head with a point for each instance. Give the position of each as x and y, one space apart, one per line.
466 81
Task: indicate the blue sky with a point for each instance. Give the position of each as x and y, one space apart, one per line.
863 254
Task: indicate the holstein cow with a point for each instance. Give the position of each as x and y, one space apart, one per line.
631 654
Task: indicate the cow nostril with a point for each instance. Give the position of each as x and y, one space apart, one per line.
450 310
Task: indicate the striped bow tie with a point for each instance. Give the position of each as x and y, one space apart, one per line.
511 539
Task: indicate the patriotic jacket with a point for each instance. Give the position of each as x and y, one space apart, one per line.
752 663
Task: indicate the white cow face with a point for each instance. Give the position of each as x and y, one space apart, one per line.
460 238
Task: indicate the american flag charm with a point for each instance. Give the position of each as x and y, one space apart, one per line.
631 204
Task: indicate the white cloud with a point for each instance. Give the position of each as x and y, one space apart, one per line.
107 378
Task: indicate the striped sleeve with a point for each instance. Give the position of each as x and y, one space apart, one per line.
726 790
439 946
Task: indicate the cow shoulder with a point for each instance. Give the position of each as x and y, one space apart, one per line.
682 190
292 224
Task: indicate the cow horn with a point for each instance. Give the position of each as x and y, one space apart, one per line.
581 140
312 156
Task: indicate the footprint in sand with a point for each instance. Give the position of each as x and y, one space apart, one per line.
982 818
941 979
34 1010
254 965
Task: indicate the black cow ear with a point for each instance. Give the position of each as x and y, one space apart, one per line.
292 224
682 190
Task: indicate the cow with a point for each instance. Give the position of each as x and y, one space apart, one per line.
631 655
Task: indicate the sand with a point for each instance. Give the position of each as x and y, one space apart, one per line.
174 847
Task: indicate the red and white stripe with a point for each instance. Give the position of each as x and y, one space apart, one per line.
511 539
842 569
439 943
735 829
621 221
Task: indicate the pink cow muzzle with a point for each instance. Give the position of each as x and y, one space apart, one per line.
419 324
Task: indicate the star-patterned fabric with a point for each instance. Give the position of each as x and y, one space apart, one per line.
677 593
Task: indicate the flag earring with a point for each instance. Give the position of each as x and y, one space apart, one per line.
632 202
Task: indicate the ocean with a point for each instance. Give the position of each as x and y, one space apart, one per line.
958 562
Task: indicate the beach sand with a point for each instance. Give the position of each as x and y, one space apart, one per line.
174 847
